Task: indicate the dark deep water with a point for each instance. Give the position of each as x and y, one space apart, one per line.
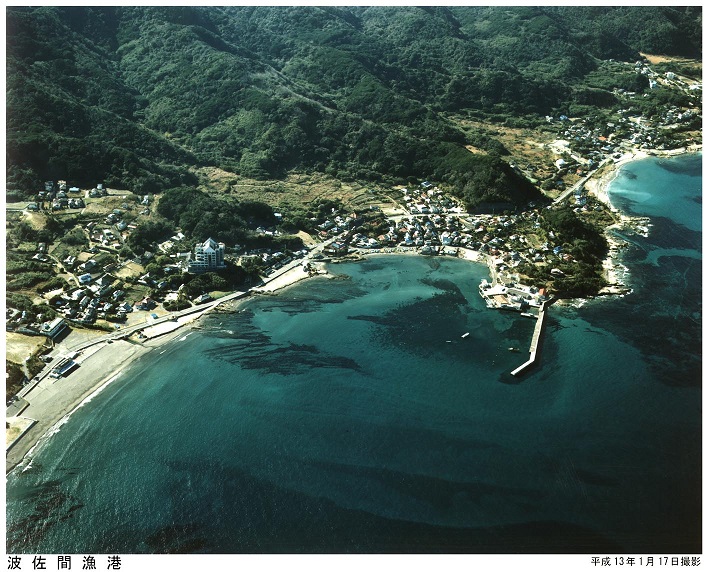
350 416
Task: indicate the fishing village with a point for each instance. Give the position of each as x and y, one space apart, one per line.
99 292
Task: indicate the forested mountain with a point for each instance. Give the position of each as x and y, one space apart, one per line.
137 96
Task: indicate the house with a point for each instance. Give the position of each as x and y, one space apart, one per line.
105 280
84 279
105 291
336 248
70 312
77 294
54 328
146 279
88 265
208 256
146 304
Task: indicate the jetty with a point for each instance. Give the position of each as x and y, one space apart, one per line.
518 298
535 340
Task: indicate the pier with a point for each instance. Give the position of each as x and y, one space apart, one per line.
535 340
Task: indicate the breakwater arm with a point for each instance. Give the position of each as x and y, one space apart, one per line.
535 340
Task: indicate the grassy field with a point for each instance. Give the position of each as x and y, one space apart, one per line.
659 59
20 346
295 192
129 269
526 146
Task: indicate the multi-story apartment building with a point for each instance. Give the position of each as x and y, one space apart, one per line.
208 256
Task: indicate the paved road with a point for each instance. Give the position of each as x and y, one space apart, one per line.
124 332
581 182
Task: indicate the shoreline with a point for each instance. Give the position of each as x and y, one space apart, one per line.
615 272
53 401
599 188
50 405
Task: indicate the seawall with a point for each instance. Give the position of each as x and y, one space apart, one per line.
534 348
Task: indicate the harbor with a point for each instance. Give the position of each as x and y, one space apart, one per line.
529 301
534 348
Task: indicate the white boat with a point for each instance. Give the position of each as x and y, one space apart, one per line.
465 335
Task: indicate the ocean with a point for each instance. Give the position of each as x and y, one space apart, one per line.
349 415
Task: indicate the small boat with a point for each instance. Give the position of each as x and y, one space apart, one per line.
513 349
465 335
527 315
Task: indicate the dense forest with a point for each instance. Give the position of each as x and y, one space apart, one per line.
137 97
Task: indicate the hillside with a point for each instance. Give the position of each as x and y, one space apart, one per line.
140 97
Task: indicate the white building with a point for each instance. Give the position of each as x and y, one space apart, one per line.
54 328
208 256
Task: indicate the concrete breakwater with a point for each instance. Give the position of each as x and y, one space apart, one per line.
534 348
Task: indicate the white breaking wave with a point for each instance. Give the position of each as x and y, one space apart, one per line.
54 429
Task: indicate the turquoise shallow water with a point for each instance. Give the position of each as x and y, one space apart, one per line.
349 415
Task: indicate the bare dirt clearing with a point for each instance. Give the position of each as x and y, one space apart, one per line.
657 59
20 346
294 191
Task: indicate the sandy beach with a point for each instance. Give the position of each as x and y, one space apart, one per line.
52 400
615 272
287 278
598 187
